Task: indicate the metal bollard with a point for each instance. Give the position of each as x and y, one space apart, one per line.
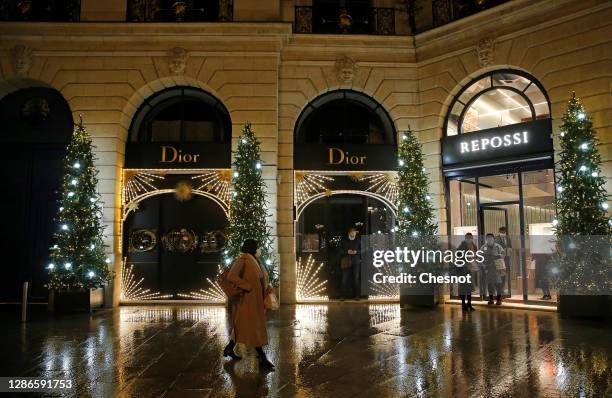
24 302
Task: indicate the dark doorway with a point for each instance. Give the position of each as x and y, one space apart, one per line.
175 265
325 221
36 127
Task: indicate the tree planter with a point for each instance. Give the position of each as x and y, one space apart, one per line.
61 302
584 307
421 295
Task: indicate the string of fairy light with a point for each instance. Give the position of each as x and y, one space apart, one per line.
310 184
132 289
213 293
383 184
217 182
139 183
309 287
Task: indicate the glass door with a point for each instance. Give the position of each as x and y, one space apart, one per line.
502 219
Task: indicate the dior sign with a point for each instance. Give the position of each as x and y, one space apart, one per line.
502 143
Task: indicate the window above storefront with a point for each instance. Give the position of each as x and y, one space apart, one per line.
345 117
181 114
499 98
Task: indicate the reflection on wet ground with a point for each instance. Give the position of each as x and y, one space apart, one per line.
330 350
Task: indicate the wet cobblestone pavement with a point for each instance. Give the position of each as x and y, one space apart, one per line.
335 350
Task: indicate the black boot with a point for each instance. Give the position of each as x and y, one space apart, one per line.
490 299
264 363
463 306
228 351
469 303
498 300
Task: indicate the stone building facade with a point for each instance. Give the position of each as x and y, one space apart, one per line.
266 74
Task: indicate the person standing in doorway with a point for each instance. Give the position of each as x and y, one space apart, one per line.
350 263
494 263
465 289
504 241
248 310
542 274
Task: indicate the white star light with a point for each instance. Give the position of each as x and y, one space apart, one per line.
68 265
594 174
581 116
51 266
91 274
584 146
583 168
605 206
76 165
555 222
64 227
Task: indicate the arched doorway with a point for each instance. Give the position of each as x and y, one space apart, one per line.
344 157
321 227
497 157
37 125
176 190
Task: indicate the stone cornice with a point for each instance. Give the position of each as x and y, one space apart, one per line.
509 19
506 21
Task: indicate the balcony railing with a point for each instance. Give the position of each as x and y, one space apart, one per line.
40 10
180 11
445 11
334 20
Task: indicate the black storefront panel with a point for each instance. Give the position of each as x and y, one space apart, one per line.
501 144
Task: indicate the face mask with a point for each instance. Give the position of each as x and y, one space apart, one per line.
490 241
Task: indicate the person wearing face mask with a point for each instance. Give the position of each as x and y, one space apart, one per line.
248 310
504 241
465 289
494 262
350 263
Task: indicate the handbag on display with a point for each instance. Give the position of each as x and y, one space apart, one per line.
230 289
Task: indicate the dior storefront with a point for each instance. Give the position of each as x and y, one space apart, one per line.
176 186
344 159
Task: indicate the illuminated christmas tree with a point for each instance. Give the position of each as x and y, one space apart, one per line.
415 214
77 259
248 206
415 211
582 201
583 226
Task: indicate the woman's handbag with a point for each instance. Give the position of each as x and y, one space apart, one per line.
345 262
270 301
230 289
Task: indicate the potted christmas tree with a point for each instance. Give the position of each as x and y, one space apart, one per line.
78 267
416 228
583 267
248 205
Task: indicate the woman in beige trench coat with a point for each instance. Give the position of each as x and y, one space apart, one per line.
248 311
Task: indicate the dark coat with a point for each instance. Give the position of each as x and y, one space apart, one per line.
346 244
